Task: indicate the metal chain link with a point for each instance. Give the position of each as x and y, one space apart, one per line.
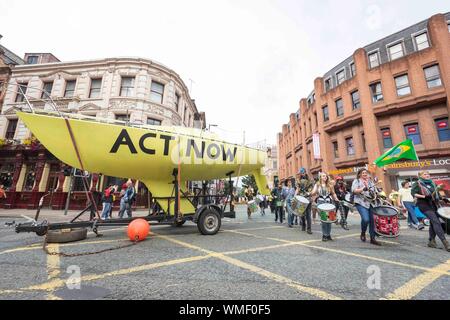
62 254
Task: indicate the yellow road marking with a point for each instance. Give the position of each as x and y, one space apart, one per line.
412 266
53 267
53 261
413 287
265 273
57 283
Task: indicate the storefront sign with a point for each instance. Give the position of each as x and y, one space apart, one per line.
422 164
351 170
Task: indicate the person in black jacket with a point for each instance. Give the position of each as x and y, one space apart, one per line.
427 194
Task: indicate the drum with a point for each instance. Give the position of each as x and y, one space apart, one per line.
299 205
327 212
347 197
252 206
444 214
386 221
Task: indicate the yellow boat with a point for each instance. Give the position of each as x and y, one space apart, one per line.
146 153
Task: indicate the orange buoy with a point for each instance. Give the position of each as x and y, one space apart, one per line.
138 230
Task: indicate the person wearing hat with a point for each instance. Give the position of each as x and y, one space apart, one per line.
341 191
304 188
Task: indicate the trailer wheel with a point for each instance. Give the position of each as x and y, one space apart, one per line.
68 235
209 222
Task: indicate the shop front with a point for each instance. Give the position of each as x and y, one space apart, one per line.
439 169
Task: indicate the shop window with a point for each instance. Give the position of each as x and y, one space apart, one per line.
412 132
387 139
30 177
6 175
78 184
442 129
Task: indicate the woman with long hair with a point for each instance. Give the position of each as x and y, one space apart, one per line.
361 185
427 194
325 194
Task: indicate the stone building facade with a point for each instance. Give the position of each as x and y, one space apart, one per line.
135 90
393 89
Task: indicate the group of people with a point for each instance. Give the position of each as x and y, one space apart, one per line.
127 197
423 194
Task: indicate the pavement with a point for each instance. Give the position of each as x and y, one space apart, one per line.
249 259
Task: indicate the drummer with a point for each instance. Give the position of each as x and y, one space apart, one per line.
341 191
277 194
304 188
424 190
360 185
288 194
325 194
249 194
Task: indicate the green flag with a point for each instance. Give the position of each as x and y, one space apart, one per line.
404 150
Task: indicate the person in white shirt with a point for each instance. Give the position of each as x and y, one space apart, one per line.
406 201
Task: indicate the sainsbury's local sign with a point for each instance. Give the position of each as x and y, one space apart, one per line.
421 164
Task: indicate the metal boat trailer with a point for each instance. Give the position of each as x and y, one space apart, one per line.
207 216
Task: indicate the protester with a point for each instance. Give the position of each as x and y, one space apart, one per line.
249 195
127 199
362 185
325 194
107 199
427 195
405 200
341 191
278 199
304 188
288 194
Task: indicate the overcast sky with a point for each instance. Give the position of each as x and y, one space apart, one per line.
247 62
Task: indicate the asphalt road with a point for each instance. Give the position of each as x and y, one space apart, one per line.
247 259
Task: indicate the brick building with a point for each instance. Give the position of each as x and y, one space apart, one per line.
390 90
134 90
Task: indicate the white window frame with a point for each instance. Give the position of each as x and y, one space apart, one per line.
100 89
44 82
331 83
336 74
134 87
350 68
418 33
402 87
164 84
377 52
65 87
427 80
394 43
